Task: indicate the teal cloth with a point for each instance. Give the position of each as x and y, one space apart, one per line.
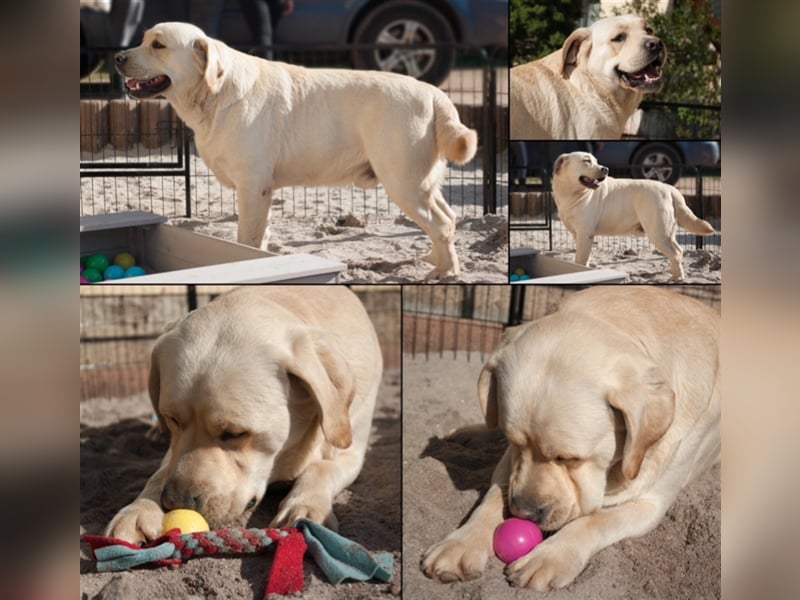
119 557
340 558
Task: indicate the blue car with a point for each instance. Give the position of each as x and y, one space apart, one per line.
472 23
662 161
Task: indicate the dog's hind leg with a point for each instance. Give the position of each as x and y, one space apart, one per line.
429 210
438 220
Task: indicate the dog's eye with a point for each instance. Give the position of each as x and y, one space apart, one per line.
619 37
156 45
227 436
648 30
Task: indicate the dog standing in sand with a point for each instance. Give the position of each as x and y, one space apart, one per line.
262 125
591 203
590 87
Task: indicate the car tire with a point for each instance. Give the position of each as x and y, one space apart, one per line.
660 162
411 23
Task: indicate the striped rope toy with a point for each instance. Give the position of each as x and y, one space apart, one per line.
338 557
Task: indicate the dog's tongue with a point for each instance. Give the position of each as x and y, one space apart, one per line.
137 84
649 74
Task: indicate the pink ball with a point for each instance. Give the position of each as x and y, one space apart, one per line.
84 280
514 538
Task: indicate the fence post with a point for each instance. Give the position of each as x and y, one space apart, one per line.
489 141
183 135
516 305
701 211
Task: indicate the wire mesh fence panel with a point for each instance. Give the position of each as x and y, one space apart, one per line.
119 325
452 321
439 319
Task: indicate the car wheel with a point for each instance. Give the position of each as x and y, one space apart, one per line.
406 23
657 161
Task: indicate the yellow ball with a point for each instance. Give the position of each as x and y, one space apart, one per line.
520 272
188 521
124 260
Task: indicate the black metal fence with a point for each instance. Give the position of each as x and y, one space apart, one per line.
119 324
137 155
451 320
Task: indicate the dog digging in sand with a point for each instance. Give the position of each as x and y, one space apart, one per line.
591 203
261 125
591 86
610 406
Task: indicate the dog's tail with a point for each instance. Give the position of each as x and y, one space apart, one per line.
454 140
686 218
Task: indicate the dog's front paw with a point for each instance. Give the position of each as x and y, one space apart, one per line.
291 510
459 557
138 522
547 567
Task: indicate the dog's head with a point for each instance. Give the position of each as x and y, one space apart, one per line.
246 396
580 406
175 60
580 169
618 52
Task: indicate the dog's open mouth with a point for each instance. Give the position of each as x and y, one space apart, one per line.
590 183
648 79
147 88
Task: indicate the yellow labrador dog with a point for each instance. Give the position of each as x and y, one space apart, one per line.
589 88
591 203
262 125
263 384
610 407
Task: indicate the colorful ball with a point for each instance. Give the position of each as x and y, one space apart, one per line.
514 538
84 280
188 521
93 275
96 261
514 277
125 260
135 271
519 272
114 272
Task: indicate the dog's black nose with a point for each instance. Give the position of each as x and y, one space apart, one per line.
173 497
654 45
121 58
524 510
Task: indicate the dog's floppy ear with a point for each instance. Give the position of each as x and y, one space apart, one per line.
154 379
487 381
209 61
154 389
487 394
647 404
320 365
571 49
559 163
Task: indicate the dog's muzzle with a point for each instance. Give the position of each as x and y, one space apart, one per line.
140 88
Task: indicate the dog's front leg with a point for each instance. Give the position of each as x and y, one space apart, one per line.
141 520
583 248
254 202
462 555
312 494
558 560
